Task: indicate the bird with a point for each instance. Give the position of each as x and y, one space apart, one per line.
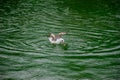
56 39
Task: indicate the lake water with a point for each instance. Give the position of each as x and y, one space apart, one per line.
93 40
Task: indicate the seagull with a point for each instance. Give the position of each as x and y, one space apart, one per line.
56 39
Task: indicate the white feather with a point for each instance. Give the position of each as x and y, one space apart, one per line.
58 41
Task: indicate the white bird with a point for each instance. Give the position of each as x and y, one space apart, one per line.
56 39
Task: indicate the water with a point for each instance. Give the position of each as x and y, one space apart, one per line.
93 40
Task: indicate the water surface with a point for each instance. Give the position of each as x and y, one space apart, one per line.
93 40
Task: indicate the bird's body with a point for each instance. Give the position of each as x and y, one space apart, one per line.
56 39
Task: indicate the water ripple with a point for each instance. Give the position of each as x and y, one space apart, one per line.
92 39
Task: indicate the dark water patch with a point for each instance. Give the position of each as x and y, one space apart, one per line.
99 7
7 6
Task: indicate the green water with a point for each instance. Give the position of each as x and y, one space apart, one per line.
93 40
